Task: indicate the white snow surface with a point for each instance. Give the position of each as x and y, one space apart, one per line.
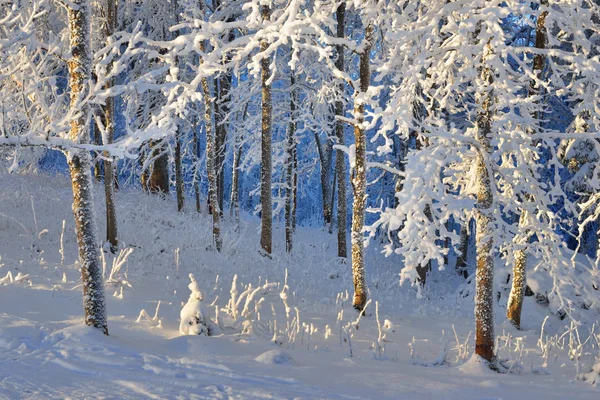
47 353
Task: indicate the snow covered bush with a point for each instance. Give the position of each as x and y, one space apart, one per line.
193 313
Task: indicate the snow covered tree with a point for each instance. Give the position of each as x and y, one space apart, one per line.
79 166
359 169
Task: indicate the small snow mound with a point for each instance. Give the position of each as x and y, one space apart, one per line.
593 376
477 366
273 357
77 334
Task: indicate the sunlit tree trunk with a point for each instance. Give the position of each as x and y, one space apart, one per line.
484 216
79 167
359 176
519 281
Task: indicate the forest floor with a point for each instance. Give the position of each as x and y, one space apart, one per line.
315 352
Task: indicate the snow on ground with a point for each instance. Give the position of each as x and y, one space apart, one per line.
46 351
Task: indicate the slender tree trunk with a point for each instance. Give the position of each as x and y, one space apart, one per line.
265 167
332 201
109 123
235 182
158 181
210 163
97 162
295 194
325 151
463 248
179 175
79 167
359 177
289 176
484 215
234 206
519 281
196 168
340 162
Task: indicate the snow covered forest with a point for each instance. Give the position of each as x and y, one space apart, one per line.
337 199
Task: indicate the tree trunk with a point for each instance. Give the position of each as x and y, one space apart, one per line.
79 167
484 216
359 177
519 281
234 206
325 151
295 191
463 248
340 162
289 176
109 123
179 188
158 181
210 163
196 168
265 167
517 291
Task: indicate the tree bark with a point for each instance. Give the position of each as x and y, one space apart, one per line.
158 181
109 123
359 176
463 248
519 281
234 206
325 151
266 165
340 162
484 215
289 176
79 167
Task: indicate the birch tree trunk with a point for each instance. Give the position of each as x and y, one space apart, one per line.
266 165
79 167
484 216
519 281
359 176
340 161
210 164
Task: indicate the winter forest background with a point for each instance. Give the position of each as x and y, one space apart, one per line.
305 169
